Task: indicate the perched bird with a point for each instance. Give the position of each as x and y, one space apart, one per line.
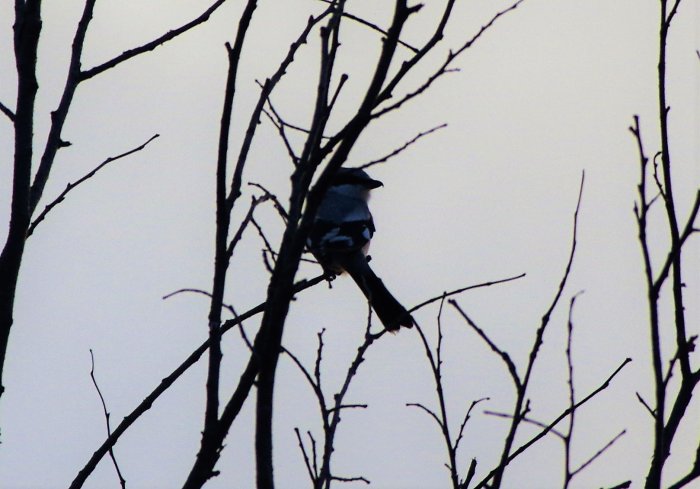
340 238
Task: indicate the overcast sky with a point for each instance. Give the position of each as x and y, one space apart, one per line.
546 94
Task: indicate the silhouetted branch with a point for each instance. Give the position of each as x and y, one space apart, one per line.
267 250
470 475
150 46
330 413
61 197
307 461
568 436
429 411
6 110
467 417
690 476
646 406
350 479
521 407
443 69
255 201
623 485
672 13
267 87
687 232
670 407
402 148
58 117
598 453
122 482
278 205
464 289
280 125
170 379
550 426
372 26
527 420
440 417
504 356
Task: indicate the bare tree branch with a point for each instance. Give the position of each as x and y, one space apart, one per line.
623 485
598 453
429 411
443 69
521 407
280 125
122 481
58 117
551 425
350 479
255 201
6 110
504 356
464 289
61 197
169 380
278 205
372 26
467 417
672 255
690 476
402 148
150 46
307 461
672 13
646 406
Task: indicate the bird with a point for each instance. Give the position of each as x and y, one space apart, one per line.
340 236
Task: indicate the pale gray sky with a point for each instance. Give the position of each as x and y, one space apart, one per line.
547 93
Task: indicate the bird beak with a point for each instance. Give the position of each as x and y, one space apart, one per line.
371 183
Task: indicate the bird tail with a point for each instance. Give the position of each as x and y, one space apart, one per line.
389 311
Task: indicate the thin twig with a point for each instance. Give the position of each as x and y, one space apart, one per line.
467 417
429 411
278 205
646 406
526 419
403 147
268 247
568 437
85 177
307 461
501 353
255 201
598 453
442 70
464 289
279 125
371 25
126 55
122 481
350 479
